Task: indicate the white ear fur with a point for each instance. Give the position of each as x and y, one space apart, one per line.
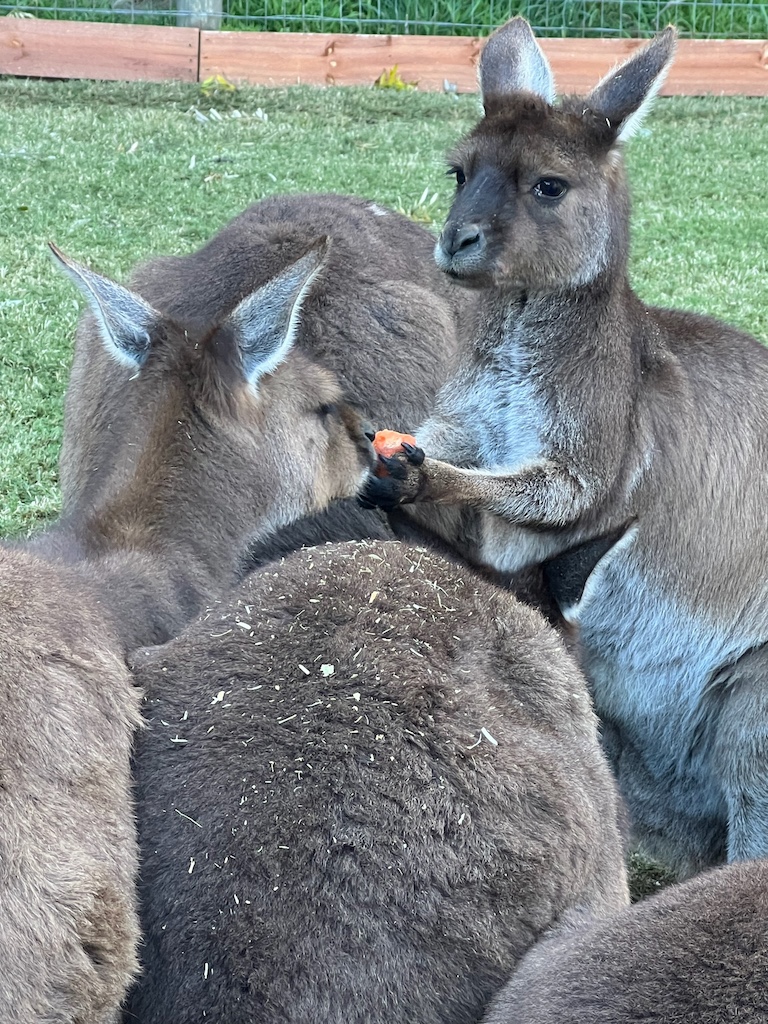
266 321
634 122
625 95
512 61
126 322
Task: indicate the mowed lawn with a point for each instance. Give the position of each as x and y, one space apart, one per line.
116 173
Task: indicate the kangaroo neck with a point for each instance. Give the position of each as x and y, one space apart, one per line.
592 315
149 598
149 586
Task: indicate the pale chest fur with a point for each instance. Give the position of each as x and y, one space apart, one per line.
492 414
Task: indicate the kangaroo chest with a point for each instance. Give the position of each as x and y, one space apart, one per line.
495 415
497 401
511 415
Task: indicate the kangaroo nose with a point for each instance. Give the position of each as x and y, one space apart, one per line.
368 431
466 239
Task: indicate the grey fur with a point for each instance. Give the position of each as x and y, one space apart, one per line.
579 411
125 321
514 62
370 780
190 488
384 323
696 953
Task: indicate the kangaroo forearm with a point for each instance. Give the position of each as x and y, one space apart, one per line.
541 495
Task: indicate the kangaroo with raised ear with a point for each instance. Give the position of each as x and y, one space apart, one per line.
578 410
194 484
370 780
696 953
383 307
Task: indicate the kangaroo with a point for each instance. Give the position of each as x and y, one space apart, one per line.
383 306
696 953
370 780
194 483
577 411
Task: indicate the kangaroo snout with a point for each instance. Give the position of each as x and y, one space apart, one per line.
361 432
466 239
460 247
368 430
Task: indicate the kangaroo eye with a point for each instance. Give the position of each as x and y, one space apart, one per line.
326 410
550 189
459 175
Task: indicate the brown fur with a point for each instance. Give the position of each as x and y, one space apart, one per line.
384 326
191 483
696 953
369 781
68 857
579 412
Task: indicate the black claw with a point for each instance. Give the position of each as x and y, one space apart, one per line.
415 455
394 467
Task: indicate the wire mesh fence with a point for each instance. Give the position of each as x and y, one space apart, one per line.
704 19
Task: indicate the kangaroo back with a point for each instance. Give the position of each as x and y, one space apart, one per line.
68 854
694 954
369 781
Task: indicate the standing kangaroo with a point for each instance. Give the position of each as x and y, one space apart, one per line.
696 953
370 781
578 411
194 483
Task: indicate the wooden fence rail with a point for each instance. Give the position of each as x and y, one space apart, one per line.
68 49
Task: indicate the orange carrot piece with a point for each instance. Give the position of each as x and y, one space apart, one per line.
388 442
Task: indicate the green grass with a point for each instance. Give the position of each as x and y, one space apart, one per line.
646 876
747 19
115 173
734 19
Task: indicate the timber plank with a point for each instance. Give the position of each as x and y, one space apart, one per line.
702 67
283 58
720 66
65 49
75 49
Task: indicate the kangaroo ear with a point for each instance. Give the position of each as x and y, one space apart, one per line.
265 322
126 322
512 61
625 95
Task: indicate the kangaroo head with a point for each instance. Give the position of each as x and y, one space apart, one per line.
541 202
226 424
